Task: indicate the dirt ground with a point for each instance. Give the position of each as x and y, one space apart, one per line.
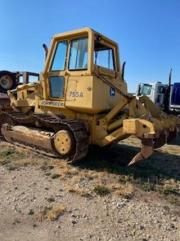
99 198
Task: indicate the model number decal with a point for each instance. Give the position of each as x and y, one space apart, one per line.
75 94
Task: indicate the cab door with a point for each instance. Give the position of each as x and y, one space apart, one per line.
56 76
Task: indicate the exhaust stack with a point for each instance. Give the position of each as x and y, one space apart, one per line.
46 50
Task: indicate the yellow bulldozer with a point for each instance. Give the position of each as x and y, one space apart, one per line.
81 99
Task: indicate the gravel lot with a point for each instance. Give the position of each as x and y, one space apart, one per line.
45 199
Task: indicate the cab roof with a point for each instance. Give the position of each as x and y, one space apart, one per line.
82 31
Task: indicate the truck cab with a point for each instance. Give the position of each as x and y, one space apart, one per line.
155 91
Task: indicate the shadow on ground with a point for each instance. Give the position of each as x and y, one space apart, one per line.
160 166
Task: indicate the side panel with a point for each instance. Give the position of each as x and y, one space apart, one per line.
105 97
88 94
79 93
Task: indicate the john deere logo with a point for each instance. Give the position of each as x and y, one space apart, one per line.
112 92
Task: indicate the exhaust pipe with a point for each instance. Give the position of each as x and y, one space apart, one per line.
123 70
46 50
170 77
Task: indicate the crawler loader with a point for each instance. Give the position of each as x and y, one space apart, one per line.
10 80
81 99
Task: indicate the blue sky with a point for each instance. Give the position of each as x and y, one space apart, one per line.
148 33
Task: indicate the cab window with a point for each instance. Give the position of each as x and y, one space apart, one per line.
56 86
145 89
59 60
78 54
103 56
161 89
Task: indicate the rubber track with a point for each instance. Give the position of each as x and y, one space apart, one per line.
55 123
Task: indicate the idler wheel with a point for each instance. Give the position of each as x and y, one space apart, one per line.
64 142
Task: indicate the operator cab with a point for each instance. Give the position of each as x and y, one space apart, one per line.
74 61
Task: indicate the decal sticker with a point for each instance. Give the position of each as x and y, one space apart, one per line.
112 92
52 103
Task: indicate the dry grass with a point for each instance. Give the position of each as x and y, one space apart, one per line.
79 191
107 168
171 149
16 157
50 213
64 169
55 213
131 141
126 190
100 178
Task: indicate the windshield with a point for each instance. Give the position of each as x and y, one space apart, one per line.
78 54
60 57
103 56
145 89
